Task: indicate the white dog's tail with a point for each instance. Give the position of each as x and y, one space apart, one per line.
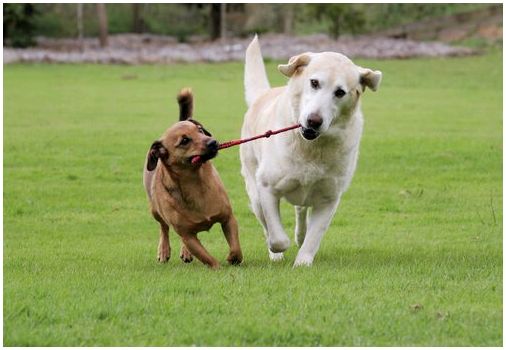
255 78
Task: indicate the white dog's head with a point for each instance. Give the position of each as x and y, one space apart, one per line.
325 88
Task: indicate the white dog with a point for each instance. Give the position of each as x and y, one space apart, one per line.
312 166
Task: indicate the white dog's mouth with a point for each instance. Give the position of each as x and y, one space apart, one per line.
309 134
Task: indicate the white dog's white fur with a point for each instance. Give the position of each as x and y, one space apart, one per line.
310 167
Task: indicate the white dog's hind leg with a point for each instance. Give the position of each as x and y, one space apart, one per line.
277 239
319 222
300 224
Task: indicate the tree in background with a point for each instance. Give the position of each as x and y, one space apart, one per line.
80 25
288 18
137 18
19 24
217 20
223 21
102 24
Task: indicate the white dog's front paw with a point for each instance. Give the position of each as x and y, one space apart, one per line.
275 256
303 260
279 245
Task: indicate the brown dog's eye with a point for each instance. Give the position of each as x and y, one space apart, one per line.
315 84
184 141
340 93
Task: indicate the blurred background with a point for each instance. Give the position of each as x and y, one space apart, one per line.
413 257
177 32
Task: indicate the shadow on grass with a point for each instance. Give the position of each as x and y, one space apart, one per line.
370 259
381 258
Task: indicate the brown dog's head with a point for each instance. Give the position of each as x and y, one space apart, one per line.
184 141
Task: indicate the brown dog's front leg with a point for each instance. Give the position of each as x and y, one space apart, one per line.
197 249
164 244
231 232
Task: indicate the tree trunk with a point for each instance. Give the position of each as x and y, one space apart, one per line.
215 16
223 23
80 26
288 15
102 24
137 20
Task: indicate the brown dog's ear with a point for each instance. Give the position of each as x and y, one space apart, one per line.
295 64
369 78
201 126
185 100
155 152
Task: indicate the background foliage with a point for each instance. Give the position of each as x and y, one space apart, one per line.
183 20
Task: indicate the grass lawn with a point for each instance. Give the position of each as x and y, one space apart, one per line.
413 256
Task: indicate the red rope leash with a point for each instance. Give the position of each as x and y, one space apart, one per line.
266 134
232 143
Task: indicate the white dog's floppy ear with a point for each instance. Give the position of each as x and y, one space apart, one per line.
295 64
370 78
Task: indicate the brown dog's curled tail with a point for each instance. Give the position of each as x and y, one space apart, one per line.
185 100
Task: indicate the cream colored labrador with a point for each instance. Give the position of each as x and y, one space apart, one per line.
312 166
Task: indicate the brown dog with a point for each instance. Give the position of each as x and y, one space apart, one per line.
189 197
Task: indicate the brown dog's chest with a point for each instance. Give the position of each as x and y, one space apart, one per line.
196 223
191 208
200 216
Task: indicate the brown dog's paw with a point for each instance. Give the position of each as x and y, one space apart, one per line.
185 255
234 258
163 258
163 255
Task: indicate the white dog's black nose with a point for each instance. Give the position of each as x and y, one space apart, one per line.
314 121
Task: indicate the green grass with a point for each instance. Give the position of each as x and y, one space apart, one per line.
420 225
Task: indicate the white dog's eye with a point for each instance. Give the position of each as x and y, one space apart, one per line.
339 93
315 84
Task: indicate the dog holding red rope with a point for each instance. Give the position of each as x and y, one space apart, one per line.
310 168
185 191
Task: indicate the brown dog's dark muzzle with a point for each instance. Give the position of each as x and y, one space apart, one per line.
212 147
212 150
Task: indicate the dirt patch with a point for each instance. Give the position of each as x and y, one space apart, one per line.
485 24
144 48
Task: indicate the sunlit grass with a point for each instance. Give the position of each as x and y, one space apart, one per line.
413 256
